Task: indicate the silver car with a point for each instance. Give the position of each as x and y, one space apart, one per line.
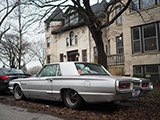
78 82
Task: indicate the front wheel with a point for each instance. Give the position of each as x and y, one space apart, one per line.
72 99
18 94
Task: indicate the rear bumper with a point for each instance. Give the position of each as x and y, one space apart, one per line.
109 97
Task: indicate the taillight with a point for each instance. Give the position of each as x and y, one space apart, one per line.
145 84
124 85
5 77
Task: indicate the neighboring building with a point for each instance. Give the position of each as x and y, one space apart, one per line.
132 43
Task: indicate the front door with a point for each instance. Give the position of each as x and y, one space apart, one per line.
73 55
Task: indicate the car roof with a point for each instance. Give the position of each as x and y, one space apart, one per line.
68 68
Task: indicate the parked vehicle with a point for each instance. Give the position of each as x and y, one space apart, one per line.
8 74
78 82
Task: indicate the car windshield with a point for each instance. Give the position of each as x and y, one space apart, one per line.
87 68
12 71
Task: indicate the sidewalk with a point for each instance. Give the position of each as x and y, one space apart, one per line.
16 113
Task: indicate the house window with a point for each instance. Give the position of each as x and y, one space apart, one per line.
61 57
154 71
146 3
136 39
134 5
150 37
47 26
48 58
67 42
71 38
76 39
145 38
138 70
119 43
142 70
84 55
139 4
48 42
72 18
109 45
95 55
119 19
106 49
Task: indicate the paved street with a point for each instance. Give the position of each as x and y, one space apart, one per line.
16 113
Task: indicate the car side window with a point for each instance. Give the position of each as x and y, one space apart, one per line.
50 70
1 73
58 71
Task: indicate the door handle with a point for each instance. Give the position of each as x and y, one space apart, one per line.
49 79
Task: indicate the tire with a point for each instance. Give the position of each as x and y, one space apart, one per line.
72 99
18 94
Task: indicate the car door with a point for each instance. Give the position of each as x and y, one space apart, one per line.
57 83
41 86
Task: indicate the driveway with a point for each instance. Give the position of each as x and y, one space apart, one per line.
16 113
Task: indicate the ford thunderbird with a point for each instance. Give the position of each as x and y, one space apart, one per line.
78 82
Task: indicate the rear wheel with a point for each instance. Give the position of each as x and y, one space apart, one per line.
18 94
72 99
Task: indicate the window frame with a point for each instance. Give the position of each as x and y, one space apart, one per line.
47 26
144 71
61 57
67 42
140 40
71 36
95 51
76 39
58 71
48 59
117 47
48 42
84 56
119 19
143 48
140 6
109 46
156 38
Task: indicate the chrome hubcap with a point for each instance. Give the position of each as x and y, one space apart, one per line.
71 97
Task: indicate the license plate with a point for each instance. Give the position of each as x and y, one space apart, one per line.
135 93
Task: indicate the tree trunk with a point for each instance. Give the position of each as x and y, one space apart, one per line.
97 36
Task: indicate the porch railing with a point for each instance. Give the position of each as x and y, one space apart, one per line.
116 59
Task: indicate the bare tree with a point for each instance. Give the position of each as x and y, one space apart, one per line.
38 49
9 50
7 8
34 70
95 25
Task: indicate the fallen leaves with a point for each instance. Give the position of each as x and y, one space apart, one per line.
134 109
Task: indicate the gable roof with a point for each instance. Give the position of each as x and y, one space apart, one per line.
57 15
99 8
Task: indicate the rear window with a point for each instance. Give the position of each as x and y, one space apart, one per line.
87 68
12 71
